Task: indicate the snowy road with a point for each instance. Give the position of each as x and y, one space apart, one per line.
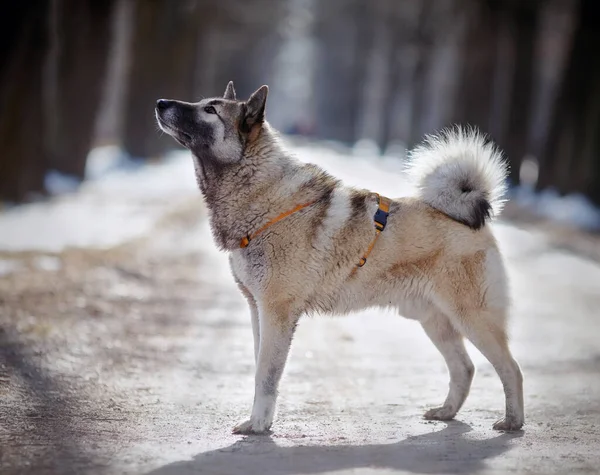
126 348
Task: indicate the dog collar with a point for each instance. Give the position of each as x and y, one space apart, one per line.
246 240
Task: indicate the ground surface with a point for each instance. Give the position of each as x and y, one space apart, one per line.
125 348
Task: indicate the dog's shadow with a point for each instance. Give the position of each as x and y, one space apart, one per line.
444 451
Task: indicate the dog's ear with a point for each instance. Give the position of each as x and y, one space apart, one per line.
229 92
255 107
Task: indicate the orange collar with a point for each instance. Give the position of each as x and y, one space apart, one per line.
246 240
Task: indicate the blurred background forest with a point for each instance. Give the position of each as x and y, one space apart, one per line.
78 73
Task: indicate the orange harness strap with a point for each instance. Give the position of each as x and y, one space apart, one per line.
246 240
380 220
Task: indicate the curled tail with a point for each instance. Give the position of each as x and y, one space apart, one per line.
460 173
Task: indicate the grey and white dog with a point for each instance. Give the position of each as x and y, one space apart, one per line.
295 235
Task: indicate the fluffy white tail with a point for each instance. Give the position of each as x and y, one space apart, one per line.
461 174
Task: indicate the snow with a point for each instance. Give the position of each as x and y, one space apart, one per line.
58 183
573 209
119 202
361 167
9 265
47 263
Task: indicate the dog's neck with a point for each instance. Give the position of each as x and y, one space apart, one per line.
243 197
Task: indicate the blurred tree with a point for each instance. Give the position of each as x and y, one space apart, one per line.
387 70
496 82
411 45
377 26
474 97
423 39
524 25
342 33
181 49
570 162
22 53
292 68
238 43
79 51
162 65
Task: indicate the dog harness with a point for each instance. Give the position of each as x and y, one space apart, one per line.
379 219
246 240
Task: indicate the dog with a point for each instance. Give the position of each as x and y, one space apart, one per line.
300 242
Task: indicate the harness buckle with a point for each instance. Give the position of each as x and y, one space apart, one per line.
380 219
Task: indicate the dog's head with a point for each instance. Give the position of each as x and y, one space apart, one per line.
215 129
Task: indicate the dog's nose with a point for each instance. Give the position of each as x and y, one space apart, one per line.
163 104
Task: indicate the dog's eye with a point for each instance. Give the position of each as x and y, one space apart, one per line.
210 110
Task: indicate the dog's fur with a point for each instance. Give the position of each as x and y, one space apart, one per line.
436 262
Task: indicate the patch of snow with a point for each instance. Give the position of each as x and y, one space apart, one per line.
381 174
574 209
58 183
118 203
8 266
366 148
47 263
516 243
396 149
103 160
567 270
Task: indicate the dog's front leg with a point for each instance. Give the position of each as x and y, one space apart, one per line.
255 329
276 331
253 313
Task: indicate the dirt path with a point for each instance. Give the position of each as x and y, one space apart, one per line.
138 359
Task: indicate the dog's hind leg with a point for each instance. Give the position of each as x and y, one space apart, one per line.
460 367
276 332
485 329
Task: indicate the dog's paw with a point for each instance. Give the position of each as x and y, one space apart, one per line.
252 427
508 424
442 413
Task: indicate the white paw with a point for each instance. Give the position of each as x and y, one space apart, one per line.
252 426
442 413
508 424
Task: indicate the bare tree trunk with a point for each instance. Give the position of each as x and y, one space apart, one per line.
558 20
82 43
340 70
504 72
473 101
22 160
441 79
586 173
424 42
162 65
248 43
392 128
289 60
379 64
570 158
516 143
110 115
